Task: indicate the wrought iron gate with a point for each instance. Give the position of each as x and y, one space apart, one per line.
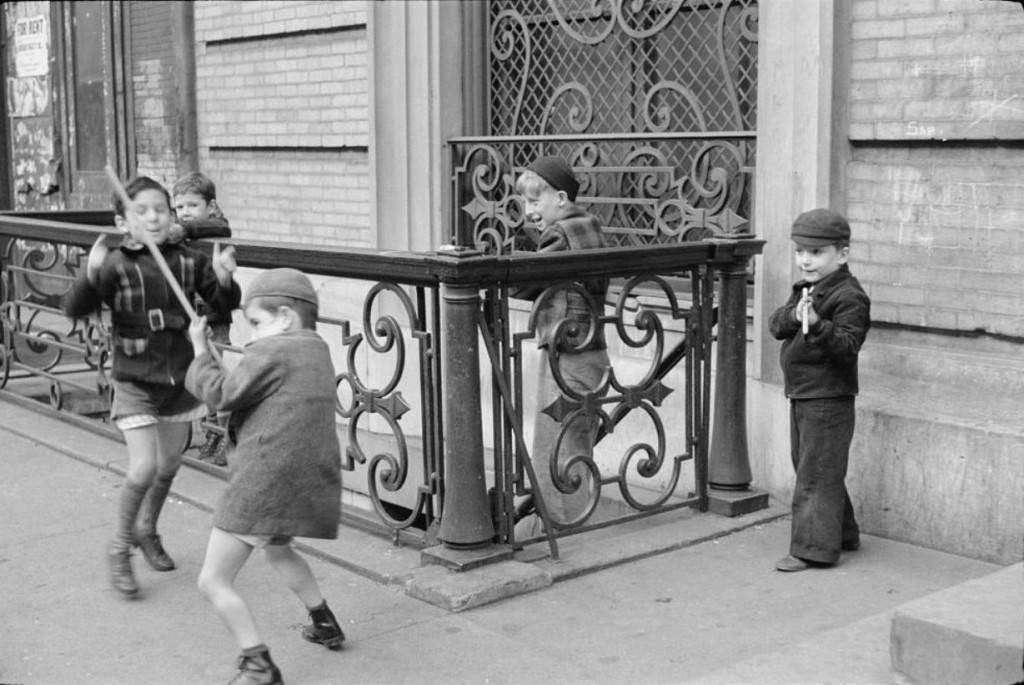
653 103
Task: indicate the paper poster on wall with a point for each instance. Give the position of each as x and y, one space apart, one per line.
32 46
28 96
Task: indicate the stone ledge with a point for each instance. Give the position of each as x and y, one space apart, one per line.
460 591
971 633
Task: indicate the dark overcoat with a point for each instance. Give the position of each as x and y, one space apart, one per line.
823 363
285 468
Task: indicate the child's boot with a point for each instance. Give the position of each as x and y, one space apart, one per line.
121 577
220 455
325 629
256 668
145 537
119 550
209 448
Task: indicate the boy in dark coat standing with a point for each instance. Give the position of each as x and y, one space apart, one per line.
285 470
822 326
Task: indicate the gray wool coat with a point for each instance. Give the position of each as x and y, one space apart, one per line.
285 468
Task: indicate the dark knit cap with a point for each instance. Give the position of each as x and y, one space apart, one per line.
557 172
282 283
820 227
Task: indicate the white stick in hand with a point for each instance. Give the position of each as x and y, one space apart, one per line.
803 305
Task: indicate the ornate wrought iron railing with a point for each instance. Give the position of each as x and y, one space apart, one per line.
382 343
645 190
411 429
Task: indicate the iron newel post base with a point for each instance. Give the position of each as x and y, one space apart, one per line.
466 517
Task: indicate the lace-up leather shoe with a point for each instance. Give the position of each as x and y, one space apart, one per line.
257 669
153 550
324 629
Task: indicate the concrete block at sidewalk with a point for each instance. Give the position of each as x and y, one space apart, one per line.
971 633
460 591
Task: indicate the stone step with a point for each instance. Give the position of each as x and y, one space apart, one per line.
956 364
970 633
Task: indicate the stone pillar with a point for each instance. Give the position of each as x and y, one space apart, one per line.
416 92
797 141
466 518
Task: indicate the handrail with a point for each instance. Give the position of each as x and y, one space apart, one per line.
595 137
455 266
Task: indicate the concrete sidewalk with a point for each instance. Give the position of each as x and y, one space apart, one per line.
700 612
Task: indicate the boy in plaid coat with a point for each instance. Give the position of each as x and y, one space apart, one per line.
549 189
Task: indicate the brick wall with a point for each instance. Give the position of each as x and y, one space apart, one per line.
153 83
936 120
319 197
281 92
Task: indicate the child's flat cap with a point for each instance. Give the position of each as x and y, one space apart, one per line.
282 283
820 227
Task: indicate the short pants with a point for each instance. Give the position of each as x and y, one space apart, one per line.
138 404
261 541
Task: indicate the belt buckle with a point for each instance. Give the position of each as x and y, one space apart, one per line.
156 319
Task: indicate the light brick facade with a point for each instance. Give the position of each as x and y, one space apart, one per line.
933 188
281 90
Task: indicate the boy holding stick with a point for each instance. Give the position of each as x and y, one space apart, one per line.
822 326
286 464
150 316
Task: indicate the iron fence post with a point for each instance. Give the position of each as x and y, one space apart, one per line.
729 467
729 474
466 515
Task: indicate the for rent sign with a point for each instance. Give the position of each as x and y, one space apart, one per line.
32 46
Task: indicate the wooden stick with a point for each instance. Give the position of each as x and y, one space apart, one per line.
130 215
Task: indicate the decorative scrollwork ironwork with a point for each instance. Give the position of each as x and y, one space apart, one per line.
645 476
643 192
648 80
388 468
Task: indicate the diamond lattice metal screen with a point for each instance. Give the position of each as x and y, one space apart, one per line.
652 101
587 66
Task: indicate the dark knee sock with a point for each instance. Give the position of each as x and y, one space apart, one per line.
256 651
132 495
153 503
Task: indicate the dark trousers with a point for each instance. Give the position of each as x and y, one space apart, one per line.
821 431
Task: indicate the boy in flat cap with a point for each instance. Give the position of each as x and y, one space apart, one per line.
549 189
822 326
285 470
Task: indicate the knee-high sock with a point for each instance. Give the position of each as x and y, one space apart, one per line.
132 495
153 503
